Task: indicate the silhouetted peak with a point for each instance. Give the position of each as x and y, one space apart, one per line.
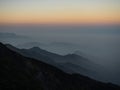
35 48
72 55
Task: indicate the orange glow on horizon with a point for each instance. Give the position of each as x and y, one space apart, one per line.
61 17
92 13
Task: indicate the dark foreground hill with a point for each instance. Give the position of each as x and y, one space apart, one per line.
21 73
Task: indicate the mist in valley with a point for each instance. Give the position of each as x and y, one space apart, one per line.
101 44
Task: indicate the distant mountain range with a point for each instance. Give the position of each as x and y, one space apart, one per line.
13 38
71 63
30 45
56 47
10 35
19 72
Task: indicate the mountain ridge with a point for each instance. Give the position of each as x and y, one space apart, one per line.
19 72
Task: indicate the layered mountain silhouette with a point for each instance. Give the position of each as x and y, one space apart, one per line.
13 38
30 45
62 48
70 63
5 35
19 72
53 44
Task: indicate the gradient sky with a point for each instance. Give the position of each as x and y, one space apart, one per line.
59 11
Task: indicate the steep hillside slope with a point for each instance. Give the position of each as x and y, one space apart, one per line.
19 72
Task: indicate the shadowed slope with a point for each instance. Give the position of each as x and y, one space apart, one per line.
19 72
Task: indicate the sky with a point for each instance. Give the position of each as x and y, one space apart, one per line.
59 11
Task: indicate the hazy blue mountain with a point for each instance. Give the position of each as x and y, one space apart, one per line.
30 45
90 57
13 38
19 72
70 63
10 35
55 47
